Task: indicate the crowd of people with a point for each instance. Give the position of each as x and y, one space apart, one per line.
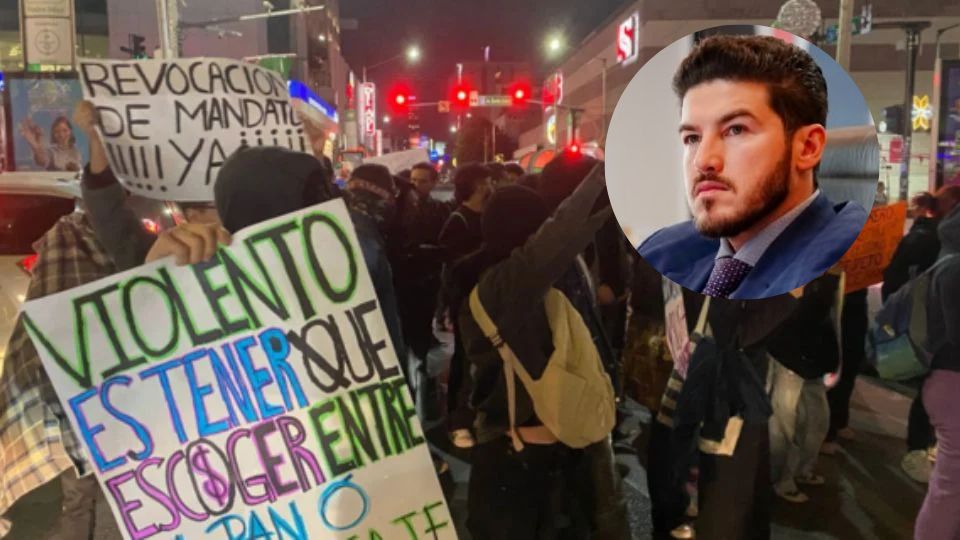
536 281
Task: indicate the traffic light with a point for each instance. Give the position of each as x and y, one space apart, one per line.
461 96
136 49
400 99
520 94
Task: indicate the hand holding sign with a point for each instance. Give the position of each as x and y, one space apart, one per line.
189 243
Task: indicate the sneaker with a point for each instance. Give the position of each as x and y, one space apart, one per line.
847 433
683 532
797 497
462 438
829 448
917 466
811 480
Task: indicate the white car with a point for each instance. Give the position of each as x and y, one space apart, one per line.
30 204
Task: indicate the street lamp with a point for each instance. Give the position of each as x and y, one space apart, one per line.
412 54
453 129
386 119
554 44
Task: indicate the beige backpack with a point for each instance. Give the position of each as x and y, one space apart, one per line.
573 398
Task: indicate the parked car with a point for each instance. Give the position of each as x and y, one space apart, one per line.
30 204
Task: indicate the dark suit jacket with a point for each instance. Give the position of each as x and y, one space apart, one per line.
806 249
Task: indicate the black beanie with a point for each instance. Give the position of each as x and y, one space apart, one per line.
376 176
257 184
513 214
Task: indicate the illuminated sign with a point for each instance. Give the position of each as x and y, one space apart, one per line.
300 91
368 108
551 128
922 113
628 42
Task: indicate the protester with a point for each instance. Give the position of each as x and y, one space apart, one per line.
462 235
916 252
938 517
498 173
68 256
518 494
419 273
514 172
804 349
560 177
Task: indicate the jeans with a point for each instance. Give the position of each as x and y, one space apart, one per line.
939 518
798 427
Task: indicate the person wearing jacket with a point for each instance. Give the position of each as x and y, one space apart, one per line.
753 111
938 516
521 494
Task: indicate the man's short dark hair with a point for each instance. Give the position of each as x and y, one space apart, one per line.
424 166
467 179
514 168
797 88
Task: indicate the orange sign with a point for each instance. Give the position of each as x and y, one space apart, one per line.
871 252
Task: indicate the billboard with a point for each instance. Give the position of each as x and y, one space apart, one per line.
41 126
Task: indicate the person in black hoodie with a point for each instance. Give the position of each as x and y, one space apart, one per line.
938 516
547 489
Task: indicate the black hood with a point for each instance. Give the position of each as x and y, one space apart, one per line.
257 184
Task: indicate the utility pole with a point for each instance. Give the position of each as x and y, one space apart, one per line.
845 33
168 16
912 30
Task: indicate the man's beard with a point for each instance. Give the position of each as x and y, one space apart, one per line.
770 195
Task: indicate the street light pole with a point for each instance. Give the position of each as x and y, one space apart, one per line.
912 29
845 33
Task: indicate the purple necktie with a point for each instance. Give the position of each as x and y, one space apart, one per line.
726 276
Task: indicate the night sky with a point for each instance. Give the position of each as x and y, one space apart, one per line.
449 31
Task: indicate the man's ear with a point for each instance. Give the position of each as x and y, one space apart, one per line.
808 144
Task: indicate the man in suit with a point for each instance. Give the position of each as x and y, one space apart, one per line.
753 110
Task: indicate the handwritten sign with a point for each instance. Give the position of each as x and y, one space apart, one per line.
678 338
256 395
398 161
168 125
871 252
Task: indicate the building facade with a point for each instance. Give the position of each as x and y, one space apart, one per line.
597 70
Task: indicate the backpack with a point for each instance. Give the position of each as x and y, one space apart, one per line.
573 397
899 335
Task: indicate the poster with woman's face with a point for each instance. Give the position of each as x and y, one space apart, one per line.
44 138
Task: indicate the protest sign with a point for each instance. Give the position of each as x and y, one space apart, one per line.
257 395
398 161
168 125
871 252
678 338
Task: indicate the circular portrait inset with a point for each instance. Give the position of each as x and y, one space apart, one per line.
742 161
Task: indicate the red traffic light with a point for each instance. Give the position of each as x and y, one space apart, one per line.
400 98
520 94
460 95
